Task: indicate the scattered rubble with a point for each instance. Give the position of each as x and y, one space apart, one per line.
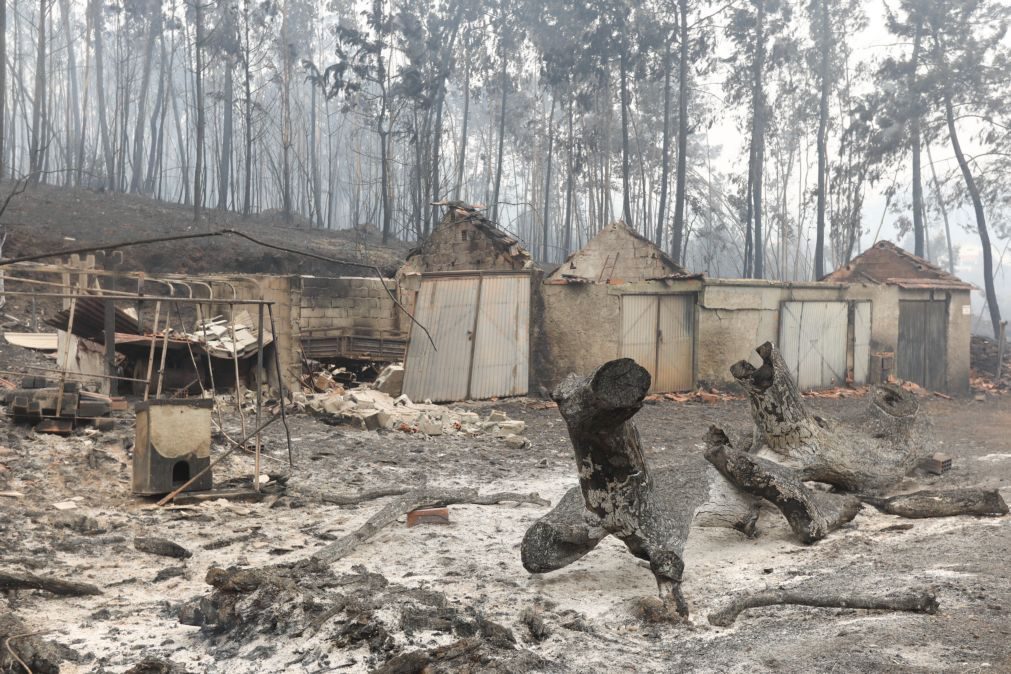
371 409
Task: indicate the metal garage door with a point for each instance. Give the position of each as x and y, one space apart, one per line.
481 326
812 339
658 332
922 350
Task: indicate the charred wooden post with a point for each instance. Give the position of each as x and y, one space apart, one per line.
811 514
870 453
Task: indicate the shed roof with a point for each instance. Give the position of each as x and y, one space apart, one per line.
617 253
465 239
887 264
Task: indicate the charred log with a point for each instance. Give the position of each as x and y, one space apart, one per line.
922 504
811 514
562 536
870 453
918 602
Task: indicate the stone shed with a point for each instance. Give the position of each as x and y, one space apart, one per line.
922 325
469 285
619 296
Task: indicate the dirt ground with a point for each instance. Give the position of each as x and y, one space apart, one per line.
472 567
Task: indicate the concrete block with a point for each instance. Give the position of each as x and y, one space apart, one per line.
516 441
497 415
371 420
429 426
391 380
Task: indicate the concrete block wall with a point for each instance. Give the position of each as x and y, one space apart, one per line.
460 247
348 305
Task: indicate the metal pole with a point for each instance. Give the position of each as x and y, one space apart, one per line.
235 363
259 392
280 382
150 357
110 330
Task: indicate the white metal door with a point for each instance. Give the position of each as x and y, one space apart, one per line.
502 340
447 307
675 367
657 332
638 331
812 339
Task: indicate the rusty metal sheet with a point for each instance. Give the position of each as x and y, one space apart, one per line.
638 331
447 307
861 342
675 362
501 362
813 341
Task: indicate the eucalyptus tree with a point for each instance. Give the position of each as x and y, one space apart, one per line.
968 59
758 29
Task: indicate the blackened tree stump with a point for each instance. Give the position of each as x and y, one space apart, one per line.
618 495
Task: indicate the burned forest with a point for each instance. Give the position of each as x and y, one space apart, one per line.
510 336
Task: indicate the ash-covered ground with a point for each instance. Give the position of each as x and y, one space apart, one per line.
456 598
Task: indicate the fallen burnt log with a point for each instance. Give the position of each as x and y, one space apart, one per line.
870 453
650 513
867 455
923 504
918 601
29 581
811 514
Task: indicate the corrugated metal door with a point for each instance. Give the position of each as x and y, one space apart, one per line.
501 347
638 330
861 342
922 350
658 332
812 339
675 344
447 307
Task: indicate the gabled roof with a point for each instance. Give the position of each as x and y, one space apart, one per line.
617 253
886 263
466 240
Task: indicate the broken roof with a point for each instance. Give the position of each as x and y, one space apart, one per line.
618 253
886 263
466 240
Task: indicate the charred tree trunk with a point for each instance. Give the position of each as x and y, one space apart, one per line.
874 452
650 513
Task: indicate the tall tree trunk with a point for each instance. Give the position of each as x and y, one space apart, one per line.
501 139
680 196
433 218
825 86
180 139
286 125
198 174
914 139
35 150
3 87
758 139
97 25
457 192
569 180
626 188
247 179
145 82
74 105
665 156
225 158
977 205
547 182
158 119
944 212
